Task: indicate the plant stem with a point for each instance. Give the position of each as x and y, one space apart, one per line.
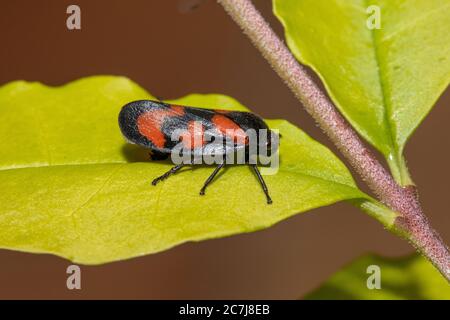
412 224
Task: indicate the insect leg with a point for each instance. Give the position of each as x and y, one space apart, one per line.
155 155
168 173
211 177
263 184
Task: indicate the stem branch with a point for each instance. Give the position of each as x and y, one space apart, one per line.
411 223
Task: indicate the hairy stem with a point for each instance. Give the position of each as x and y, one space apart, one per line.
411 223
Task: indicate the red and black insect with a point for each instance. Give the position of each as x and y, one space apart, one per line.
151 124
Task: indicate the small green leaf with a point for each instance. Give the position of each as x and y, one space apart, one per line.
407 278
70 185
384 81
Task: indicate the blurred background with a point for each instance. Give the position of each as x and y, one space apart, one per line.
173 48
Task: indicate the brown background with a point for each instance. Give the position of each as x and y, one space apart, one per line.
171 52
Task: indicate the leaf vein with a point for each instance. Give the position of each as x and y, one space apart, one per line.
382 80
89 199
414 21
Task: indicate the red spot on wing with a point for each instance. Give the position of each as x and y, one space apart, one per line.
193 136
149 124
222 111
230 129
177 110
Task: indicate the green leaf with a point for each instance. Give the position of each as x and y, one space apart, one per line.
71 186
400 278
384 81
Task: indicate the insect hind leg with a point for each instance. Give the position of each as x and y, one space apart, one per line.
168 173
263 184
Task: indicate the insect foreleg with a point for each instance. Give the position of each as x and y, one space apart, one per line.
168 173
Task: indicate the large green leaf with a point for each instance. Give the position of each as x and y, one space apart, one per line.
71 186
407 278
384 81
